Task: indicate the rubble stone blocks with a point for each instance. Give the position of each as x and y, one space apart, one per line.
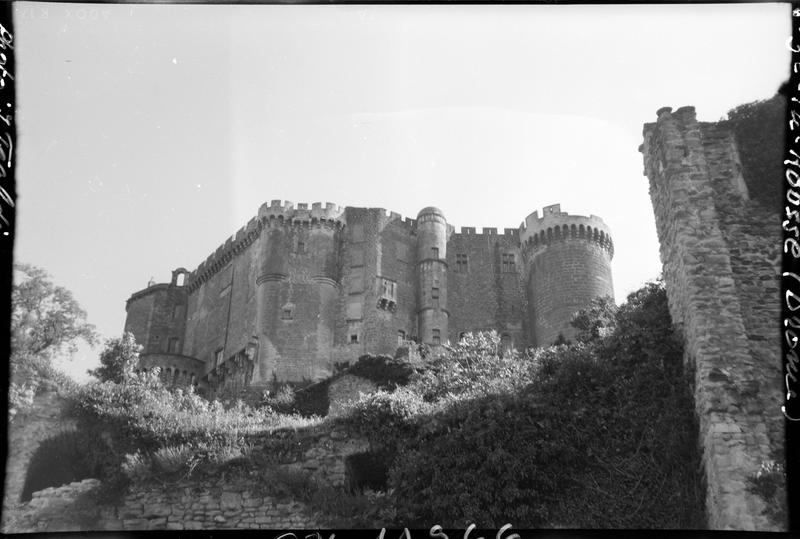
720 250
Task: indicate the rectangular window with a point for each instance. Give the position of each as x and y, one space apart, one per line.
301 248
218 357
509 264
401 336
435 252
389 289
354 338
462 263
173 346
436 336
435 297
287 314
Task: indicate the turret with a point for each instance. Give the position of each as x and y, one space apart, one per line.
432 314
568 263
156 315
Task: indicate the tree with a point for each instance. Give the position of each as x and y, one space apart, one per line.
45 319
596 321
119 359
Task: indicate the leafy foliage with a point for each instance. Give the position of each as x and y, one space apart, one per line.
759 129
387 372
596 434
45 318
118 360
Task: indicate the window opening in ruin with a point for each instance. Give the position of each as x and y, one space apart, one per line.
462 263
177 311
435 253
401 336
180 280
435 297
387 295
301 247
436 336
173 345
354 338
509 264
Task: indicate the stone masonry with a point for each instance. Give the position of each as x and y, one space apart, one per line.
720 248
199 502
303 287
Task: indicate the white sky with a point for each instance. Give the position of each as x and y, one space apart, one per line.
148 134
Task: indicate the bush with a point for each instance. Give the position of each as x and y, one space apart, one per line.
597 434
386 372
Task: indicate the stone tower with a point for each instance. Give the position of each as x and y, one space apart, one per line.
432 276
568 264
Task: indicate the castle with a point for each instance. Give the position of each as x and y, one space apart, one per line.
300 289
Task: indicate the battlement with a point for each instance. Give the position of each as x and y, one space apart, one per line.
511 233
288 211
555 225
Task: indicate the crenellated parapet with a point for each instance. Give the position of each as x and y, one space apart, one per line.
288 213
553 226
511 234
234 245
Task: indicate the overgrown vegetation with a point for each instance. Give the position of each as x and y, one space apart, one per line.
596 434
46 321
759 129
599 433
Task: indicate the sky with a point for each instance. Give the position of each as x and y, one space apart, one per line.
148 134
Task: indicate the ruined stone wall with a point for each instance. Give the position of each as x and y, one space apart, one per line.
199 502
26 431
486 296
721 257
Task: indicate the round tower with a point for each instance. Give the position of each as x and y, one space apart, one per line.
568 264
432 311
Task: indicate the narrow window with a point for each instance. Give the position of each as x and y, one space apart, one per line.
435 252
218 357
173 345
354 338
508 263
462 264
301 247
401 336
287 314
435 297
436 336
179 281
177 311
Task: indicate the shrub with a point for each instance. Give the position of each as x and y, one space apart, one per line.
597 434
385 371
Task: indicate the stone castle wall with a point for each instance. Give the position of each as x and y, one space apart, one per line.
487 296
720 248
300 289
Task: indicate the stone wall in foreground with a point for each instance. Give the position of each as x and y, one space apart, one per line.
232 500
720 249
